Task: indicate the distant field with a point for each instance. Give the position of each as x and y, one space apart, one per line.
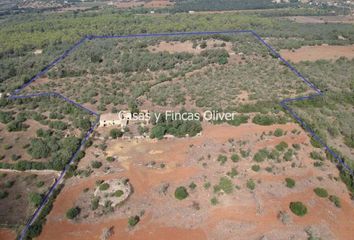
314 53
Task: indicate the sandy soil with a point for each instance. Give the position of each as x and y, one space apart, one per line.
187 46
242 214
6 233
314 53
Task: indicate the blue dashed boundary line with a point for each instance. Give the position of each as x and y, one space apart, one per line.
14 95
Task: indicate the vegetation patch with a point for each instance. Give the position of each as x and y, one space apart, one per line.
225 185
289 182
181 193
298 208
73 212
321 192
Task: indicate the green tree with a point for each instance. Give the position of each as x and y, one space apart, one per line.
35 198
116 133
38 149
72 212
181 193
298 208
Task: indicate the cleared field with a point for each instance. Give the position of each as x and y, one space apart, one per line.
236 211
314 53
322 19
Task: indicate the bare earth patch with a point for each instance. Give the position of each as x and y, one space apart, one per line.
322 19
314 53
187 46
240 214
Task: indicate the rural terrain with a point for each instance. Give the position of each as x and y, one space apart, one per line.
92 175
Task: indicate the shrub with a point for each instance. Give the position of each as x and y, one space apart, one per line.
39 149
281 146
9 184
315 155
104 186
222 159
192 186
298 208
288 155
233 173
133 220
290 183
181 193
115 133
118 193
96 164
261 155
318 164
94 203
203 45
264 120
40 184
278 132
158 132
296 146
214 201
274 154
72 212
3 194
235 157
207 185
335 200
225 185
256 168
35 198
244 153
321 192
59 125
251 184
5 117
110 159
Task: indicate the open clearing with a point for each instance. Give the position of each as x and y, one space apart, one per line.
314 53
145 4
240 214
322 19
